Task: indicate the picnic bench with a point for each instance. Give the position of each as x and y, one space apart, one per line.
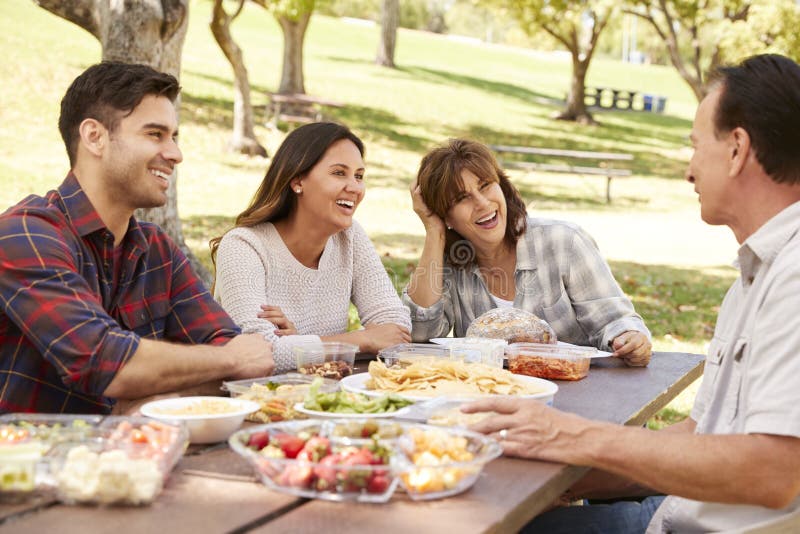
602 168
623 99
296 108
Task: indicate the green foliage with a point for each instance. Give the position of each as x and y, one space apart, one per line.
771 27
290 9
414 14
363 9
725 31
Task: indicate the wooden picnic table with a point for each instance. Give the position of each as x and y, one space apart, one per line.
214 490
603 167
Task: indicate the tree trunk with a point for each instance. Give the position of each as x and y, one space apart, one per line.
139 31
294 32
576 105
390 20
243 139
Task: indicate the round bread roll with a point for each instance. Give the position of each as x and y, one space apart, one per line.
511 325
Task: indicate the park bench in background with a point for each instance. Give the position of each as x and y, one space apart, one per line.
602 168
609 98
296 108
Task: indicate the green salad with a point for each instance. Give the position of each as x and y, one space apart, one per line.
347 402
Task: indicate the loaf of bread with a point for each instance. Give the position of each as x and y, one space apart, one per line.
511 325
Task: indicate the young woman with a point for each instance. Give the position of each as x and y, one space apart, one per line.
296 259
482 251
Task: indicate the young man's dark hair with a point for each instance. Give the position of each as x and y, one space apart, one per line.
762 96
107 92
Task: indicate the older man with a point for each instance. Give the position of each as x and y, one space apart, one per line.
734 464
96 306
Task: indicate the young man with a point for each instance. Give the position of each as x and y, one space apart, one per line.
96 306
734 464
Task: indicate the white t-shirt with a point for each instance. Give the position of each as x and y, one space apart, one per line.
502 303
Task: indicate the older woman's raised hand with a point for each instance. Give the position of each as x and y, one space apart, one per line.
634 347
431 221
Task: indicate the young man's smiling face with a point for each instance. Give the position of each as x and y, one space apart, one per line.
142 154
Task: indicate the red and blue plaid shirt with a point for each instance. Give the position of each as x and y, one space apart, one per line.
65 330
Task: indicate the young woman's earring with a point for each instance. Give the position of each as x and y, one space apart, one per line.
298 190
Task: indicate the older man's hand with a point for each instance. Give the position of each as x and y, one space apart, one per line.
527 428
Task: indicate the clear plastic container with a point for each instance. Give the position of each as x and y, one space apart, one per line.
276 395
25 440
340 473
119 460
95 472
478 350
327 359
436 462
408 351
552 362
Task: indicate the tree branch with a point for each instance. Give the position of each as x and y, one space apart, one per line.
84 13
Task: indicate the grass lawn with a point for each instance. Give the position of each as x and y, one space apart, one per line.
671 264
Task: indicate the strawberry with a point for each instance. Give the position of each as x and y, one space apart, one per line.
315 449
290 445
297 476
369 428
377 484
327 475
258 440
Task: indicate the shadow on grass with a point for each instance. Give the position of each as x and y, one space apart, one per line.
677 301
481 84
567 137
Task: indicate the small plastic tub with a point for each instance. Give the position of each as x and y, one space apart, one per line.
328 359
276 395
552 362
436 462
409 351
478 350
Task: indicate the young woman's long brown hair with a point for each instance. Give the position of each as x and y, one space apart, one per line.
300 151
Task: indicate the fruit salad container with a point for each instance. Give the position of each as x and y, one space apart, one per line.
309 459
435 462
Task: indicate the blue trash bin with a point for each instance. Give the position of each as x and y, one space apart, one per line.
647 103
660 104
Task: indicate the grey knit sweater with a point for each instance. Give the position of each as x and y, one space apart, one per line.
255 267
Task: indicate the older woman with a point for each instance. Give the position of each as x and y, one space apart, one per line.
296 259
482 251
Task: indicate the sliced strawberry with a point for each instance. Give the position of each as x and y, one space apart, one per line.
316 448
377 484
289 444
258 440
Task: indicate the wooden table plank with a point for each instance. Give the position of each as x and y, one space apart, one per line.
648 390
188 504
